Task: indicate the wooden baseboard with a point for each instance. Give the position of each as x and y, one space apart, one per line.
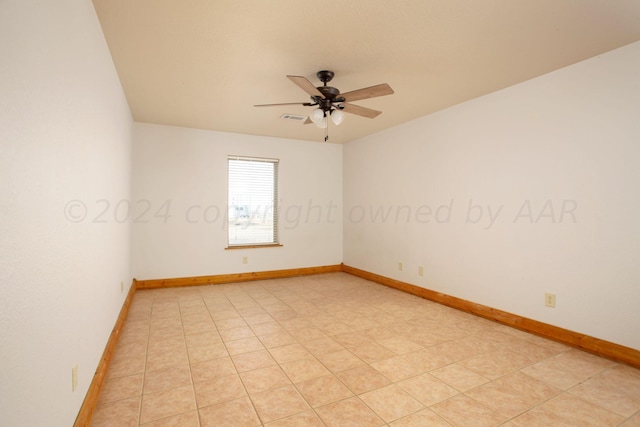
239 277
593 345
91 399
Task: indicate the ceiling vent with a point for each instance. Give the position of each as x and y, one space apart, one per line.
294 117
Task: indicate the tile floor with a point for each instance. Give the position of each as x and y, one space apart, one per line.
336 350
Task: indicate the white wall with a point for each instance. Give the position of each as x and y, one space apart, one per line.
183 173
571 137
65 132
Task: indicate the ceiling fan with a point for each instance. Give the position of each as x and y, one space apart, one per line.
331 103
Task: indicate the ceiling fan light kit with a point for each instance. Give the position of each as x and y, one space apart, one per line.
316 115
330 102
337 116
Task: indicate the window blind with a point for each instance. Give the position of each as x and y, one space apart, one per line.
253 195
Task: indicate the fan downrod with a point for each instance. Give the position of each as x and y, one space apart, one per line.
330 93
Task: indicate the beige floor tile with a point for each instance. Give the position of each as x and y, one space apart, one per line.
207 352
610 392
229 323
567 369
198 327
423 418
132 348
167 359
233 413
396 368
459 377
166 403
323 390
221 316
188 419
167 378
567 410
308 334
289 353
121 388
322 346
213 368
452 351
278 339
476 325
244 345
340 360
135 331
363 379
284 314
398 333
351 339
279 403
124 364
426 359
319 340
545 342
202 339
254 360
259 380
123 413
427 389
165 333
258 317
399 345
496 363
166 344
512 394
463 411
350 412
371 352
233 334
218 390
304 419
533 350
633 421
391 402
267 328
304 369
360 323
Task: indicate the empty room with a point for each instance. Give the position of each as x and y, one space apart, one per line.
332 213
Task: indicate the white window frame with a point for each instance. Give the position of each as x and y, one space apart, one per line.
254 208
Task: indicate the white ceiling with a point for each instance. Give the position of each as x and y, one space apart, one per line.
205 63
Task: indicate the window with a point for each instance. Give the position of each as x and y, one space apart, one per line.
253 207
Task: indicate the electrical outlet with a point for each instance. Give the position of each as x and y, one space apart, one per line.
74 377
245 260
400 266
121 286
550 300
421 271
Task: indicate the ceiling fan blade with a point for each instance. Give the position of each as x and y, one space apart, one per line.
305 104
368 92
308 121
361 111
305 85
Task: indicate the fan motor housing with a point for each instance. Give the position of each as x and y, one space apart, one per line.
328 91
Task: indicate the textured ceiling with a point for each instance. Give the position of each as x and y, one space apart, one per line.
205 63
